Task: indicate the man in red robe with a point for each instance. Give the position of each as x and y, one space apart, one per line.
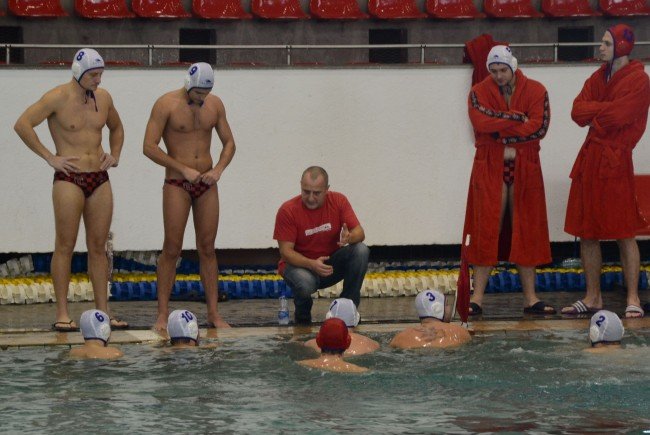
510 113
602 203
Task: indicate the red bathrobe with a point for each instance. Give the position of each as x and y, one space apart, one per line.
602 202
495 126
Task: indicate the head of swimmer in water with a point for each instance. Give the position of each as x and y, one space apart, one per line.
199 82
87 69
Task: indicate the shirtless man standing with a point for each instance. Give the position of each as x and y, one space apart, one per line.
76 113
184 120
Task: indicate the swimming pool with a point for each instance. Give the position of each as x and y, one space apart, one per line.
525 381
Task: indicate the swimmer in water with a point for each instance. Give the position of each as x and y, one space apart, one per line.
333 339
605 332
434 330
183 329
345 310
96 330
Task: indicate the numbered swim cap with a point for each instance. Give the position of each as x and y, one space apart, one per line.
430 303
333 336
502 54
605 327
623 37
345 310
95 325
85 60
199 76
182 324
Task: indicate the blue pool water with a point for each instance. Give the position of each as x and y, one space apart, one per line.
537 383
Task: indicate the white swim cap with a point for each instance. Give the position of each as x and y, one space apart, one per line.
502 54
200 75
345 310
95 325
85 60
605 327
182 324
430 303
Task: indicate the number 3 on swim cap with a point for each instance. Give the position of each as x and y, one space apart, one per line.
431 296
80 55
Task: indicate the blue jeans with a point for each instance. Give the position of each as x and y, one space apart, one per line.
350 264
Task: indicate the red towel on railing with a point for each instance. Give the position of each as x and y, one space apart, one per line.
476 52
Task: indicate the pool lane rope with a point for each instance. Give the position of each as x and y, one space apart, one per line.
28 287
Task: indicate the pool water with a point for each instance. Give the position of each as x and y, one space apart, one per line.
528 382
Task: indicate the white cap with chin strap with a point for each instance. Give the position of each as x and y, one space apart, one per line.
85 60
199 76
502 54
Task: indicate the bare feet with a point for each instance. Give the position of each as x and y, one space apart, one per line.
217 322
161 323
117 323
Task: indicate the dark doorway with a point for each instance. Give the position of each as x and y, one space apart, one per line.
12 35
575 34
197 37
387 55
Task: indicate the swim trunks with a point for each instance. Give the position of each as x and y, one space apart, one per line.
86 181
195 190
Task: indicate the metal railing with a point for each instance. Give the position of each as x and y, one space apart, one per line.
290 48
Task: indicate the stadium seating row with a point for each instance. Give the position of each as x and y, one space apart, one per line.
328 9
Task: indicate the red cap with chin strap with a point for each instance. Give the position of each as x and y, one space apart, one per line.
333 336
623 37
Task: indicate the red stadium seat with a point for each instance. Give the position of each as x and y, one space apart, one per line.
624 8
278 9
220 10
36 8
336 10
394 9
102 9
642 187
568 9
510 9
453 9
159 9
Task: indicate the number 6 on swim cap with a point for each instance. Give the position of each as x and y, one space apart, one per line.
86 60
199 76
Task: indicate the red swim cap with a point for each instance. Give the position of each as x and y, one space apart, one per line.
623 37
333 336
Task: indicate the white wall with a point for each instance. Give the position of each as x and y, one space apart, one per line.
396 141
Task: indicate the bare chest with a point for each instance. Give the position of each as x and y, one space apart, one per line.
79 116
192 118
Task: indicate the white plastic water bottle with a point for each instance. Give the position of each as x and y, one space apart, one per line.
283 313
